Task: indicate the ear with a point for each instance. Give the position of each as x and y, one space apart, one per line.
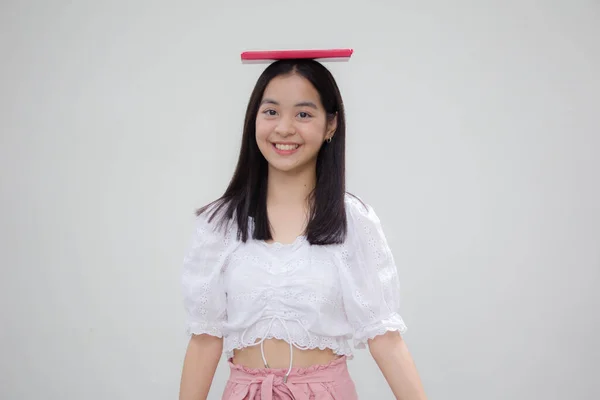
331 126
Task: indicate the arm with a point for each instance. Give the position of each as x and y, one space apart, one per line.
372 301
205 303
201 360
395 362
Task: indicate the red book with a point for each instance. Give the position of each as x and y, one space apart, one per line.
270 55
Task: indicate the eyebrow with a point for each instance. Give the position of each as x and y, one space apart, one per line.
301 104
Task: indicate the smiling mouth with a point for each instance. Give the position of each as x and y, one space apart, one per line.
286 147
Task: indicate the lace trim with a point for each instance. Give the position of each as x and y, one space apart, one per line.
393 324
200 328
337 345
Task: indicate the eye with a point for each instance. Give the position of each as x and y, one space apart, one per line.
270 112
304 115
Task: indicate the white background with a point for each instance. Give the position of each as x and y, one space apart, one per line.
473 130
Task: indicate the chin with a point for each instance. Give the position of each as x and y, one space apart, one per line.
292 169
284 168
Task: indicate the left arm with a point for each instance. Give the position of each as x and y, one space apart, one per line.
372 301
395 362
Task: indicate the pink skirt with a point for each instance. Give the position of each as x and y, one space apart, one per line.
319 382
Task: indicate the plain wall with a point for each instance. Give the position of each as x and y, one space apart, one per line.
473 130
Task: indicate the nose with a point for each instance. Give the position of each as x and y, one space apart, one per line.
285 127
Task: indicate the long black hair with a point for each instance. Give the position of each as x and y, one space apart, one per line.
246 195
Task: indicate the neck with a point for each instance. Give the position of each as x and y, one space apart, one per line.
290 188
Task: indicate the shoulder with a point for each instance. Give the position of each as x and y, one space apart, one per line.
364 225
212 224
359 210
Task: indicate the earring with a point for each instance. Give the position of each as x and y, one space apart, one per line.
329 140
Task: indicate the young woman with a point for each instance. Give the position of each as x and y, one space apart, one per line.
286 268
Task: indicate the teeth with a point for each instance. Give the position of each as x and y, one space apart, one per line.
286 146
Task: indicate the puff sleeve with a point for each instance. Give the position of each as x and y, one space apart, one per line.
369 277
204 294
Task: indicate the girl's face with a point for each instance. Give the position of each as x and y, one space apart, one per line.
291 124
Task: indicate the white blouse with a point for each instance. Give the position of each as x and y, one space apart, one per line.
311 296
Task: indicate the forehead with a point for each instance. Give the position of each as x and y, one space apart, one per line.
291 88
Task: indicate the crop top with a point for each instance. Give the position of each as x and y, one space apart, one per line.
311 296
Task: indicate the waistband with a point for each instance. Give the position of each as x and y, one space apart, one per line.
268 378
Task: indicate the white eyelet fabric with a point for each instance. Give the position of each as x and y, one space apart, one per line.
312 296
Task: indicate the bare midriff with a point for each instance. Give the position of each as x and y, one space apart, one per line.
277 354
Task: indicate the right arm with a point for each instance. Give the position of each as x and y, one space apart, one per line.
206 309
201 360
